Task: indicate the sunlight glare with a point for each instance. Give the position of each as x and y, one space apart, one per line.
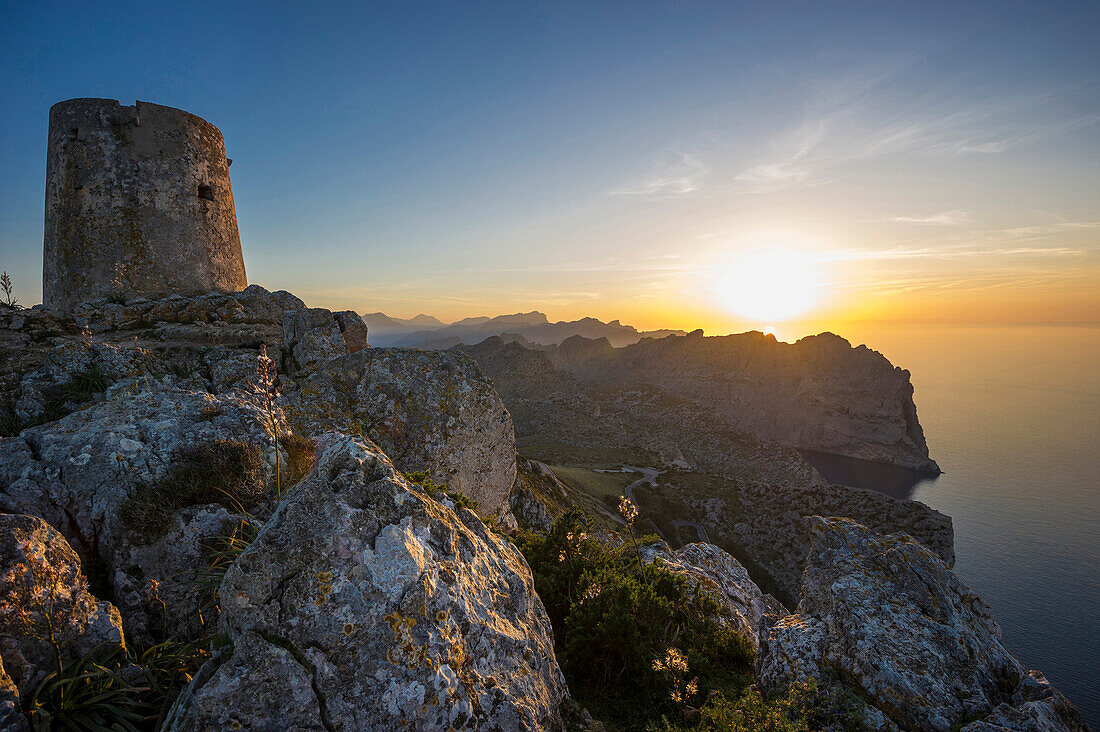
769 285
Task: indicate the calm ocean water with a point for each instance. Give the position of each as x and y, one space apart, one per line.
1012 415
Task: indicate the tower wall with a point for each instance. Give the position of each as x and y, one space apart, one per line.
137 199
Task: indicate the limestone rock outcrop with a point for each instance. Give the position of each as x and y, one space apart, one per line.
79 472
886 615
365 604
551 405
312 336
427 410
11 716
44 602
771 525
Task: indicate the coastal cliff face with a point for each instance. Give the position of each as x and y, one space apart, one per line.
817 394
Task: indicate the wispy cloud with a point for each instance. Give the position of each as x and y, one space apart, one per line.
677 174
869 114
948 252
946 218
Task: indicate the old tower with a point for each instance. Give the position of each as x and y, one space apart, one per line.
137 199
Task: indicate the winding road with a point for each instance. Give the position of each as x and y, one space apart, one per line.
649 475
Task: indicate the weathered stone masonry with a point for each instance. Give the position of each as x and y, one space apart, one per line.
138 199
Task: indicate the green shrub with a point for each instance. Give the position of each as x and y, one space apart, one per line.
229 472
804 707
634 641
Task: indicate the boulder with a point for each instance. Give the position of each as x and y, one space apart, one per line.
886 615
427 410
45 606
11 715
353 330
365 604
312 336
80 472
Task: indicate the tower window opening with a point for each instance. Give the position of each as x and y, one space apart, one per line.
206 192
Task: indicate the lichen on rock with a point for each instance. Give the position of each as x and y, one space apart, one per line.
886 614
428 410
369 605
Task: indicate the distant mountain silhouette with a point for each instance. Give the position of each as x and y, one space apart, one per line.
534 328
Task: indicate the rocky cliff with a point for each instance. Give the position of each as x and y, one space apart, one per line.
226 473
552 405
818 394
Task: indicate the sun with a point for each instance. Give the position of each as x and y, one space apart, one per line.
769 285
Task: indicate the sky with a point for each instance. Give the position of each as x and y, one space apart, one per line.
718 165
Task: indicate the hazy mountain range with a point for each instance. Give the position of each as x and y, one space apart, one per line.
425 331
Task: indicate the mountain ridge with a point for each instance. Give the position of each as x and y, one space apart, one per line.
433 334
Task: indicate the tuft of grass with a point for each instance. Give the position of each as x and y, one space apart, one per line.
80 388
117 298
229 472
10 424
114 689
208 412
300 451
219 553
181 369
422 480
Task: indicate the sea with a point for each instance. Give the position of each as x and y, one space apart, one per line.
1012 416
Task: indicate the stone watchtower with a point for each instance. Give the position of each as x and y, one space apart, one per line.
137 199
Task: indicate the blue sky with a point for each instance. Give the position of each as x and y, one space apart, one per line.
612 159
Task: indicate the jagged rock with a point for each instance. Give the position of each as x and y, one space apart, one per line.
1036 706
44 601
888 616
52 388
253 305
54 362
537 496
427 410
723 577
353 330
182 603
364 604
78 473
11 716
312 336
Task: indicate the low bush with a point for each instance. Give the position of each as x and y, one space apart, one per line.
805 707
229 472
634 640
